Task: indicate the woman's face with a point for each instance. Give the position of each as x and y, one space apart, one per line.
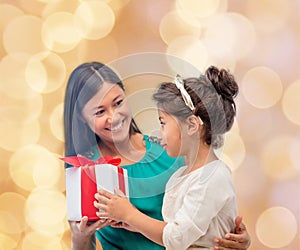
108 114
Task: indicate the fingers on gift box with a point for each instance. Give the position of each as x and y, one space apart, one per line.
86 178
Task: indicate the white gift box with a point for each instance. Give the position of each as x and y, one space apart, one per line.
83 182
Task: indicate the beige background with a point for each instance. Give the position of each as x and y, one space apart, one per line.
43 41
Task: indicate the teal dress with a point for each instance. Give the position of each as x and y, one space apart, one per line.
147 179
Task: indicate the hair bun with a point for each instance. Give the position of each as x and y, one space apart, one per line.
223 82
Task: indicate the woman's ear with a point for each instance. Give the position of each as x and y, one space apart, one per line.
193 124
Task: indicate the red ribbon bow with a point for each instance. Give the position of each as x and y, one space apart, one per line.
80 161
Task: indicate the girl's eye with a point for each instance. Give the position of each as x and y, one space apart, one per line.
162 124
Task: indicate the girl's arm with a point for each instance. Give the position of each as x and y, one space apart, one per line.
119 208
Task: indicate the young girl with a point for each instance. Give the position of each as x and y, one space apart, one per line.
199 202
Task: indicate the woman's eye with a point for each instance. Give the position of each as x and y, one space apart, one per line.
118 103
99 112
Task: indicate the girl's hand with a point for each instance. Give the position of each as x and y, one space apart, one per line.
113 206
124 226
238 241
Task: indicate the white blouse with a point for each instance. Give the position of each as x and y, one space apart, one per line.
198 207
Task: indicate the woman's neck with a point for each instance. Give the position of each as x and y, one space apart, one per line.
129 151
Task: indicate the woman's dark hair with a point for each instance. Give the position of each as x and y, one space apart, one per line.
84 82
213 97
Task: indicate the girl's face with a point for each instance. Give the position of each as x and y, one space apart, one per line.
108 114
170 130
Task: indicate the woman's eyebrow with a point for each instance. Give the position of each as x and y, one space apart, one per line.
101 106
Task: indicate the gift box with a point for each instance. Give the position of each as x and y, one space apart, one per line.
86 178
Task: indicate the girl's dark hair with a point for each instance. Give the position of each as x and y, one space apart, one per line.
213 97
84 82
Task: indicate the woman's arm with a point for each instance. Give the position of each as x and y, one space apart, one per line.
119 208
83 237
239 241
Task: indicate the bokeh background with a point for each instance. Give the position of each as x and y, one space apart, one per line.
42 41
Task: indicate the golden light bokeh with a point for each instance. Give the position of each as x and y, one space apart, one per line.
59 33
43 41
49 202
188 48
285 223
56 121
276 158
291 102
94 19
262 87
13 76
194 10
234 147
45 72
22 34
182 28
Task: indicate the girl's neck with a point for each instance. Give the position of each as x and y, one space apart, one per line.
199 158
129 151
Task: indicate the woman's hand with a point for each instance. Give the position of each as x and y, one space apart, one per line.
238 241
83 234
113 206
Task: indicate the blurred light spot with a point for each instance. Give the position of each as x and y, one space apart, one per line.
23 162
92 50
172 26
193 10
282 195
234 150
12 213
276 227
56 122
35 240
46 170
7 242
48 1
43 202
14 135
12 77
295 149
59 32
8 13
276 158
15 112
8 223
23 34
262 87
291 102
250 171
268 15
229 35
94 19
190 49
45 72
57 6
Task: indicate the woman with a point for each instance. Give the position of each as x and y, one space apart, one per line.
98 122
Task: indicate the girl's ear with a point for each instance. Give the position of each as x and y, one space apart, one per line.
193 124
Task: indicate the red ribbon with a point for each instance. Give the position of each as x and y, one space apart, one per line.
88 180
79 161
